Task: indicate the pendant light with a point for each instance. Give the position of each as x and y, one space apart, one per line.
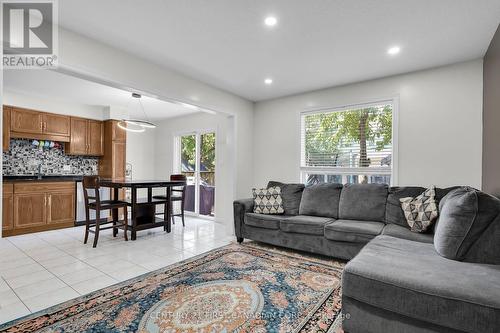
137 125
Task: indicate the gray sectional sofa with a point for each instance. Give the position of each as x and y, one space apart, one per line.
396 280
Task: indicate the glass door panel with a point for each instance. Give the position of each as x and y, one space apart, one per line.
197 163
206 192
188 168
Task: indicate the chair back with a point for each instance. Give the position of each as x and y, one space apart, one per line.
180 189
91 183
178 177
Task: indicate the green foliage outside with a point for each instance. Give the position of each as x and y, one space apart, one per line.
207 151
361 128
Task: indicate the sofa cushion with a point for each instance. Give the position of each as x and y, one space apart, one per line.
321 200
303 224
363 202
411 279
398 231
467 214
394 213
353 230
291 194
263 221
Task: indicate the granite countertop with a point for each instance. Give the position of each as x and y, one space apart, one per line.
48 178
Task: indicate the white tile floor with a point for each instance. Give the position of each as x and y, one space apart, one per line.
44 269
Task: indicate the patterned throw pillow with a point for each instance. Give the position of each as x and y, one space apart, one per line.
421 211
268 201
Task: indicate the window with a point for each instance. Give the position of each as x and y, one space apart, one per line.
348 145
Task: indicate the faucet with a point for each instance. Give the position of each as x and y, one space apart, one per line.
39 173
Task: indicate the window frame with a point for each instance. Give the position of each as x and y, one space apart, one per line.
345 171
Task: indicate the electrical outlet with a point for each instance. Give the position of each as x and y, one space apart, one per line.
67 168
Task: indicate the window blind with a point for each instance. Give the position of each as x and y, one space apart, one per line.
358 137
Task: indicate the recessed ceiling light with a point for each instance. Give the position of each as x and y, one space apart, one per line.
271 21
268 81
394 50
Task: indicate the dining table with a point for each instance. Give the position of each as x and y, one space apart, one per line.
144 209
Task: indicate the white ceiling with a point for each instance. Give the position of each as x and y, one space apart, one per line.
64 88
316 44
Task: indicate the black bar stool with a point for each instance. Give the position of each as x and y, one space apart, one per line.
94 202
178 193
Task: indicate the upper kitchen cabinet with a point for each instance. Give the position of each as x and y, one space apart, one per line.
96 137
86 137
6 128
112 163
56 124
32 124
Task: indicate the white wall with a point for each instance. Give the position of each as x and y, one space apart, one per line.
141 153
50 105
440 125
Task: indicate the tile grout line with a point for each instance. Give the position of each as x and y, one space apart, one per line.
44 268
16 295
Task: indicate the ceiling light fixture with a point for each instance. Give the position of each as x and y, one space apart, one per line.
271 21
136 125
268 81
394 50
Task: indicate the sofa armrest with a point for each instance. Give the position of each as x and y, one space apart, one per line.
241 207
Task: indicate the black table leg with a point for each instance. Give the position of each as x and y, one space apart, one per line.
168 215
114 213
134 211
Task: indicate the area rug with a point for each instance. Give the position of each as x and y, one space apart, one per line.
242 288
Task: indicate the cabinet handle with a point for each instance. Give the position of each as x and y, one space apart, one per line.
50 200
45 200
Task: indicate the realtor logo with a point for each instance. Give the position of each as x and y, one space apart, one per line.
29 34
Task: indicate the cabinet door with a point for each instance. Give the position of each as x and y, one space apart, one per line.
60 207
95 138
118 134
25 121
7 207
54 124
118 159
6 128
78 139
29 210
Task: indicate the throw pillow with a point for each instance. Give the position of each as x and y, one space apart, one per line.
421 211
268 201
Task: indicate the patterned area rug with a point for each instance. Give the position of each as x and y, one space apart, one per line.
244 288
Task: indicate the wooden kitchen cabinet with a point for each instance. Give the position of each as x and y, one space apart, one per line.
95 137
56 124
32 124
26 121
8 207
30 210
78 138
6 128
112 163
86 137
39 206
61 206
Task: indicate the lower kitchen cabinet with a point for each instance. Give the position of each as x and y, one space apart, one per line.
40 206
29 210
61 207
7 207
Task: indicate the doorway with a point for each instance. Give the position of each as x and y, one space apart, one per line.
196 159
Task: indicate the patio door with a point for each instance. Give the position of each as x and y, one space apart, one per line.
196 158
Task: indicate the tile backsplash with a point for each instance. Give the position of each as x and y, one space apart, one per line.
23 159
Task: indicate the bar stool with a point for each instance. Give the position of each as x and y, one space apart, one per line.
92 183
178 194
